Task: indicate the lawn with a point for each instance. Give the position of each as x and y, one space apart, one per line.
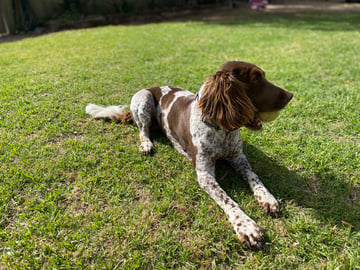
76 194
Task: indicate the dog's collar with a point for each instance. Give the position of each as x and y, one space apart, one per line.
209 123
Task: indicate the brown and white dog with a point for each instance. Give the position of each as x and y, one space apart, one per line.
204 128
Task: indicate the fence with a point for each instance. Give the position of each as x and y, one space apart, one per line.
22 15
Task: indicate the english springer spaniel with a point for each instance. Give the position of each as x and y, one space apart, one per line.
204 128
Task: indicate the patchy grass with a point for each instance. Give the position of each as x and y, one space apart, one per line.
75 193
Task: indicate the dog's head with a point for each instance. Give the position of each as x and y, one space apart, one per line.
238 94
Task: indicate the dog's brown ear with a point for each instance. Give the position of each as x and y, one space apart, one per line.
224 101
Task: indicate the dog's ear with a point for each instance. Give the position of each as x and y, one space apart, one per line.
224 101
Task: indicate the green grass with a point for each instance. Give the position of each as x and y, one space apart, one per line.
76 194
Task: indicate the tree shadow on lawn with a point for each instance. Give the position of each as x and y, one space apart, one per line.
330 199
322 21
325 20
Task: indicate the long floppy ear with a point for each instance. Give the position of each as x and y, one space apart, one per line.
224 101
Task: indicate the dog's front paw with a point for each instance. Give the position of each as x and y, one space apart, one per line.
146 148
267 202
248 232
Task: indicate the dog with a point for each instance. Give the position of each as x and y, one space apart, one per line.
204 128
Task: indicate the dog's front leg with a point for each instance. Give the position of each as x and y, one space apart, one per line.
246 229
265 199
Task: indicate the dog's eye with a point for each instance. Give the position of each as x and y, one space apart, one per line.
257 75
240 75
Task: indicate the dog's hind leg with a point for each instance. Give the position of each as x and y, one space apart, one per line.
142 108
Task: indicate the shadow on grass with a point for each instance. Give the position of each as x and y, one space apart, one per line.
331 199
325 20
318 21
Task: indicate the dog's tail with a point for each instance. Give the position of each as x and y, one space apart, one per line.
119 114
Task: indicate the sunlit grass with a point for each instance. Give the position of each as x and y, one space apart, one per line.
76 194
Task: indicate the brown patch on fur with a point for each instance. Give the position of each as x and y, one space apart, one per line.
166 99
157 94
169 97
125 118
224 101
179 124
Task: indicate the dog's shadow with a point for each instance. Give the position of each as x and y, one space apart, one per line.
331 200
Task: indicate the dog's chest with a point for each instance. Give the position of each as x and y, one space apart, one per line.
213 142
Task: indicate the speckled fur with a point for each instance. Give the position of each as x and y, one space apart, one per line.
178 114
